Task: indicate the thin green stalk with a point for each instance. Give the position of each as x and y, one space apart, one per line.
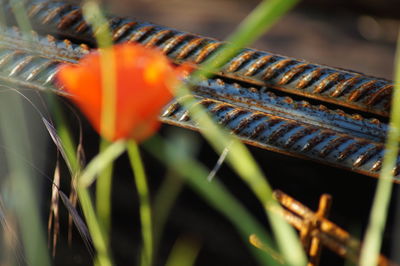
261 19
184 252
100 162
252 27
95 17
96 232
144 202
378 216
215 194
242 162
103 193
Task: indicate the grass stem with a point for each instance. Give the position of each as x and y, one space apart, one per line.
96 232
103 193
378 216
214 193
256 23
100 162
144 202
95 17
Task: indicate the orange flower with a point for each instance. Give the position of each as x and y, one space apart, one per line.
144 83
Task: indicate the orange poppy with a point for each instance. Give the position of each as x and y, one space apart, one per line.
145 80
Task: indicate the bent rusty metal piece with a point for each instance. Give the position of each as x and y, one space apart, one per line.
256 115
342 87
316 226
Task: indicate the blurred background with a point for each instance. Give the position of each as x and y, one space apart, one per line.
353 34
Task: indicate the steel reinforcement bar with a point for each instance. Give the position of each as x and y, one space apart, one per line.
342 87
255 114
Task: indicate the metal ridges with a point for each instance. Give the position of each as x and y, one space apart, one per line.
256 115
288 136
264 100
48 46
341 87
33 62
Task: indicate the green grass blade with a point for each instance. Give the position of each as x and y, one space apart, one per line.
103 193
98 236
242 162
214 193
95 17
252 27
378 216
184 252
239 157
144 202
100 162
172 185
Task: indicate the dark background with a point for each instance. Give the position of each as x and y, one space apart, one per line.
358 35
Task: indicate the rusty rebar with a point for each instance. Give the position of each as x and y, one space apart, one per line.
33 62
251 108
66 51
255 114
338 86
318 227
288 136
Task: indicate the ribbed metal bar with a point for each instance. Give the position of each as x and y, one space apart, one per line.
338 86
48 46
256 115
264 100
287 136
258 98
33 62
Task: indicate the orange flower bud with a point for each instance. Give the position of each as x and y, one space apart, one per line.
145 80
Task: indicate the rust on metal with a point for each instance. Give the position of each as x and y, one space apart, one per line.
338 86
251 109
243 97
274 131
255 114
316 231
